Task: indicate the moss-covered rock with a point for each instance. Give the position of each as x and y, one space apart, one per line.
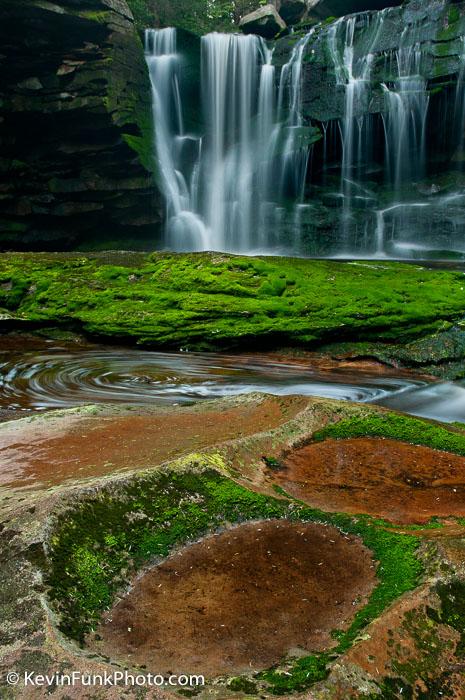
396 427
212 301
67 554
98 542
435 27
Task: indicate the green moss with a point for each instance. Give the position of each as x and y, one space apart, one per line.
395 688
89 568
274 464
419 669
452 613
128 97
440 354
12 291
9 226
143 13
241 684
97 544
200 16
306 672
396 427
210 301
100 17
454 15
429 650
453 24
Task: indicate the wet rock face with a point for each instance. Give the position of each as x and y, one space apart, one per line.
293 10
436 28
339 8
431 32
265 22
75 111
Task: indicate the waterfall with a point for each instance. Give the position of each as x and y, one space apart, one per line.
229 187
238 182
459 108
164 65
353 74
405 120
230 82
381 218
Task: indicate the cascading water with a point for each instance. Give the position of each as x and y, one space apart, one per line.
353 72
249 165
459 109
390 207
164 65
238 183
405 120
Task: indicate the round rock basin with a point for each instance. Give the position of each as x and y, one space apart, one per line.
403 483
240 600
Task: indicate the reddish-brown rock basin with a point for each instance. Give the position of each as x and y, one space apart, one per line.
43 452
240 600
403 483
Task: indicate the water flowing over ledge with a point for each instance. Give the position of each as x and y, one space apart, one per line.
276 165
229 189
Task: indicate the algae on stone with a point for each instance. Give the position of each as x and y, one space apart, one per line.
208 301
99 541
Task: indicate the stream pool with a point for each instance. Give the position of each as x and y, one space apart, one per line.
37 374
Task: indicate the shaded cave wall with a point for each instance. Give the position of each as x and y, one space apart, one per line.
76 156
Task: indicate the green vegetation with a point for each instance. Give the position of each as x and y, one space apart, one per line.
240 684
212 301
452 613
97 544
143 11
396 427
198 16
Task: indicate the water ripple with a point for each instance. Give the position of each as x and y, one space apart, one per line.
62 378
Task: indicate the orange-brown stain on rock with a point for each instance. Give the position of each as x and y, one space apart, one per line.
96 446
241 600
381 477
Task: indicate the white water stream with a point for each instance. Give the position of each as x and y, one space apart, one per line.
229 188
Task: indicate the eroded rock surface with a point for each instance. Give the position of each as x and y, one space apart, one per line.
240 600
265 22
70 552
403 483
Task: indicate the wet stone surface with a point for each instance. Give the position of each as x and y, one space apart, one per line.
241 600
381 477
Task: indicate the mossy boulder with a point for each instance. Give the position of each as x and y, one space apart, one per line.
209 301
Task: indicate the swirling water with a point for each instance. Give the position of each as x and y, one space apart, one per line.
47 375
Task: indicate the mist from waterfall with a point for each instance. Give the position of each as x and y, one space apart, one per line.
231 187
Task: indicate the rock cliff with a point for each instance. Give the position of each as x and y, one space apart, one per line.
436 28
76 160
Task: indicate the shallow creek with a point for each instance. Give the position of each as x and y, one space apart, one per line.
37 374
